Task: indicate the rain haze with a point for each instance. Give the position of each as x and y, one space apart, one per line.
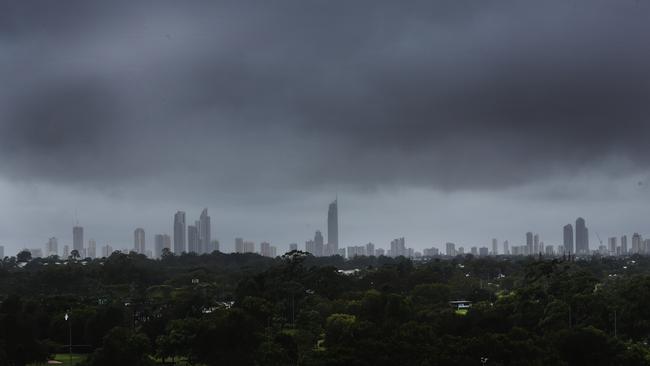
438 121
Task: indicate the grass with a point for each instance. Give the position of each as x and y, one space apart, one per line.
65 359
461 312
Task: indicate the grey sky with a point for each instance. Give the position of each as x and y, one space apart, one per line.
435 120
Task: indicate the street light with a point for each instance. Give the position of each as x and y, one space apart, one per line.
66 317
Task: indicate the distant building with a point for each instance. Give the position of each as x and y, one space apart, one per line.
568 239
450 249
92 249
107 250
36 252
318 244
473 250
460 251
2 252
529 243
138 241
636 243
66 251
582 237
370 250
611 245
293 246
193 239
78 238
398 247
536 247
624 245
506 248
265 249
205 234
52 247
379 252
214 246
333 228
249 247
483 251
161 241
180 234
430 252
239 245
495 247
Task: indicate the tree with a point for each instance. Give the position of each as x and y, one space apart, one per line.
24 256
122 346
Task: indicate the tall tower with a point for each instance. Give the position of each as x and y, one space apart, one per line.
568 239
333 228
624 244
78 239
138 241
205 239
193 239
179 232
582 237
318 242
529 243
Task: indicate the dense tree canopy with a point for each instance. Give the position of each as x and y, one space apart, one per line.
244 309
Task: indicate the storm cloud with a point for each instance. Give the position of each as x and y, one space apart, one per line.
265 101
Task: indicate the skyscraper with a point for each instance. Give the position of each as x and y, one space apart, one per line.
568 239
333 228
138 241
239 245
78 238
193 239
636 243
495 247
529 243
398 247
611 245
318 244
92 249
370 250
159 243
52 247
293 246
450 249
624 244
205 235
506 248
582 237
536 249
179 232
2 252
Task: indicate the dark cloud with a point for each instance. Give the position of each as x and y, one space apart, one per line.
443 94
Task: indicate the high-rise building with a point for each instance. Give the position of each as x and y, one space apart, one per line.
582 237
319 245
179 232
310 247
214 246
333 228
205 235
536 249
370 250
637 241
529 243
624 245
398 247
265 249
159 242
568 239
66 251
52 247
379 252
138 241
107 250
483 251
473 250
2 252
293 246
92 249
506 248
193 239
450 249
239 245
249 247
611 245
78 238
495 247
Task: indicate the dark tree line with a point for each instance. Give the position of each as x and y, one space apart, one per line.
243 309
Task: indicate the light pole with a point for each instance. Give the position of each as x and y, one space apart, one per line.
67 319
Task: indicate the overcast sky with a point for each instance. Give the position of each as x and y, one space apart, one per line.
439 121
